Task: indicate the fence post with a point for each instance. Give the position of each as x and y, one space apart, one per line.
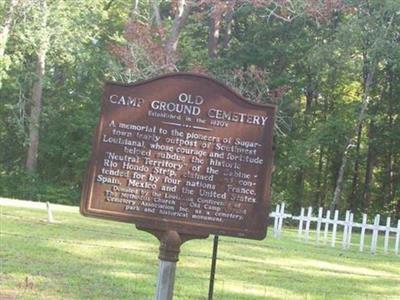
301 219
281 217
308 221
335 219
387 232
327 221
345 229
375 233
363 227
397 242
319 220
276 218
50 218
348 224
350 230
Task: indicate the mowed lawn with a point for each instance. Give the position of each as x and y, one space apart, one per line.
84 258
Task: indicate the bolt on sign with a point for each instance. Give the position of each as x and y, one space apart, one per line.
182 153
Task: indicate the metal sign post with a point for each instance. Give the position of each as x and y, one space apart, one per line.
170 244
213 268
166 280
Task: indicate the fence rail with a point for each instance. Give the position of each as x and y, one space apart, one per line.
323 225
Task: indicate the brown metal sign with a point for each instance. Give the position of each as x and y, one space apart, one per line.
181 152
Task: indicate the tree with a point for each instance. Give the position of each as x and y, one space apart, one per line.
371 60
314 58
37 89
171 43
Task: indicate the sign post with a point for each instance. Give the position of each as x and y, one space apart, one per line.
166 280
213 268
169 251
182 156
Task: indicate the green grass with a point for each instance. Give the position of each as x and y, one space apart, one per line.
84 258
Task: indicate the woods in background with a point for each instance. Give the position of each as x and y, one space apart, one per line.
331 66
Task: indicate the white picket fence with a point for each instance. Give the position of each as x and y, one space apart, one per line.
323 225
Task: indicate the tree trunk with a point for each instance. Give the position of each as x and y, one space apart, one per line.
319 177
156 12
354 187
390 160
325 184
309 92
395 188
228 24
369 166
214 28
134 9
339 180
349 143
37 89
172 42
299 183
6 26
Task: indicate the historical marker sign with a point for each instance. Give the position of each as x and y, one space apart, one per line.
181 152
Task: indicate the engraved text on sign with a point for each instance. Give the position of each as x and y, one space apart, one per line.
181 152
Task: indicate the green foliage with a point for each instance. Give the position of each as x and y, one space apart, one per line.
315 66
22 185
